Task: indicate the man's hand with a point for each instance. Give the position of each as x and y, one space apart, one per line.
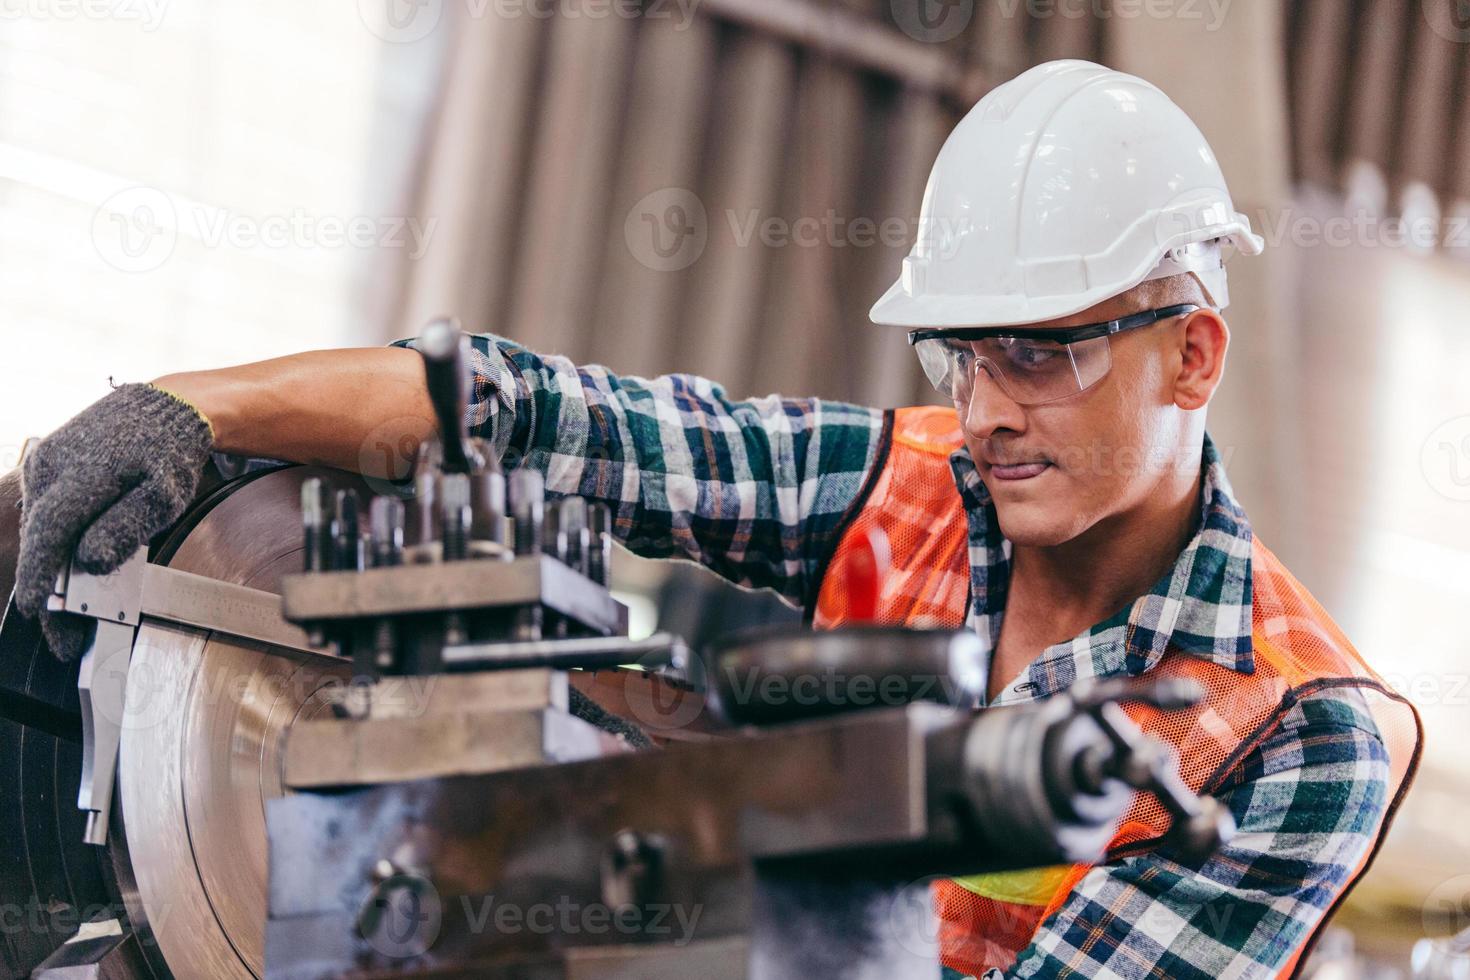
122 471
100 487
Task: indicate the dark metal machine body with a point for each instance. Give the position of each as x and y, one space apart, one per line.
801 851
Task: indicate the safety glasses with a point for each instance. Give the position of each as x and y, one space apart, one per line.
1031 366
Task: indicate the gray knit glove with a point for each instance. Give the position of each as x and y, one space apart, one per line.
101 486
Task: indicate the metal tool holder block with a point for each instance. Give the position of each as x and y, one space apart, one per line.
444 725
489 595
477 557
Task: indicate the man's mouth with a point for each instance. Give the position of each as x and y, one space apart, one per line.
1019 471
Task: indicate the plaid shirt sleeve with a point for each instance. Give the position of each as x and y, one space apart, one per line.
1307 803
755 490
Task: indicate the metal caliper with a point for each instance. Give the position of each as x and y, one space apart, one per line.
120 603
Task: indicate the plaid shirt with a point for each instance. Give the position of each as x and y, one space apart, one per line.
755 490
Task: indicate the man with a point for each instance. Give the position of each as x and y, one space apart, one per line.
1065 294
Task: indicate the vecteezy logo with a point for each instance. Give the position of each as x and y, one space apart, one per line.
932 21
911 921
135 230
657 706
667 230
387 455
401 21
1447 907
401 916
1450 19
1445 458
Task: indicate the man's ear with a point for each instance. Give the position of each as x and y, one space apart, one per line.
1203 340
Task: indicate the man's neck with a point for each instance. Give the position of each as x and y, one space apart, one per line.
1056 592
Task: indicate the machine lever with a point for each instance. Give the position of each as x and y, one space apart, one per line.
442 345
1168 694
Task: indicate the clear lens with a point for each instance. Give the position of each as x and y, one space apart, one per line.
1029 371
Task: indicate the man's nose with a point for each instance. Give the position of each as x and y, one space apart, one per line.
990 409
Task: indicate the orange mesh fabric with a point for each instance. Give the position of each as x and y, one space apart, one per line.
1297 648
914 503
977 929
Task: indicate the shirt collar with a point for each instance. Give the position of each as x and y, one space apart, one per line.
1200 607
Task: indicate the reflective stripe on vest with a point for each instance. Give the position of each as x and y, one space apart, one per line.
985 921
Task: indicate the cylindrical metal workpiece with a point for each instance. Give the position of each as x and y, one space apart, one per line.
487 501
316 545
527 506
527 489
599 554
386 519
454 515
574 526
553 537
350 554
425 512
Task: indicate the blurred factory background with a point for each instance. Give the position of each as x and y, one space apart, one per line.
724 187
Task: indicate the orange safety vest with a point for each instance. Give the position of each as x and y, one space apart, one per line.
987 920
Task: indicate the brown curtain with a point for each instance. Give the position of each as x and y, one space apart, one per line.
783 144
1382 83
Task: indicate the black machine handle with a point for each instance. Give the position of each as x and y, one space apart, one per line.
442 345
1200 823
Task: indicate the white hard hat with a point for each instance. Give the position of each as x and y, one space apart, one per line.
1065 186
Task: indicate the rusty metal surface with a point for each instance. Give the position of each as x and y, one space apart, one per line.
532 836
666 710
812 841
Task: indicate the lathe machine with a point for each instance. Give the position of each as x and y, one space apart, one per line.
330 729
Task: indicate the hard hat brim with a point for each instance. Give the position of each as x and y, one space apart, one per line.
897 308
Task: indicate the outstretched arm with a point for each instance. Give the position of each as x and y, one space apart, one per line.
755 490
353 409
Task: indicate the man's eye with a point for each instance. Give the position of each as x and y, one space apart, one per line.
1032 355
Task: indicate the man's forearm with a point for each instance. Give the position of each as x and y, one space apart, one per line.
364 410
755 489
